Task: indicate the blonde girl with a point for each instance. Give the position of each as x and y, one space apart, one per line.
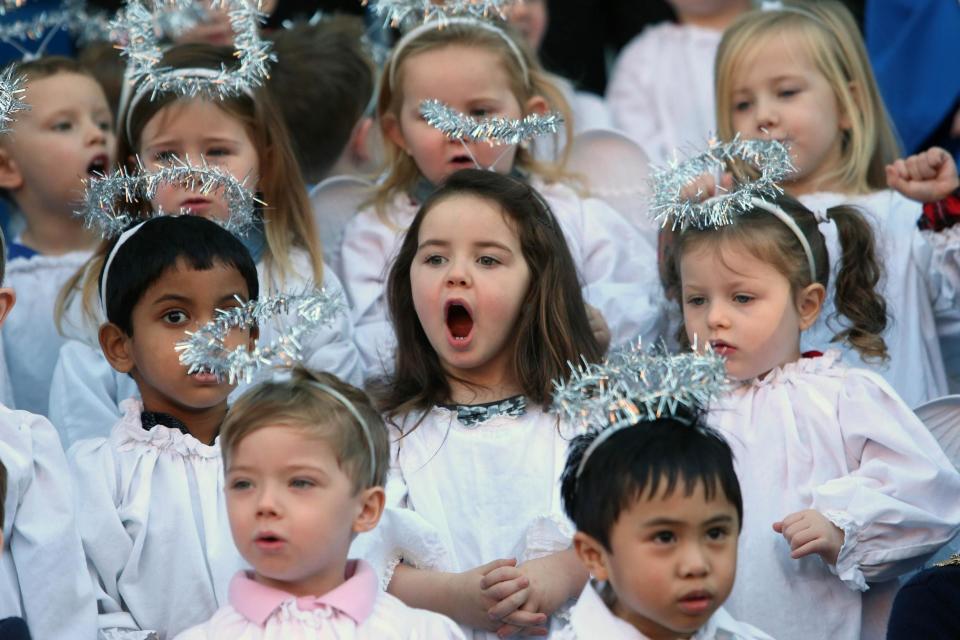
842 484
481 70
245 136
800 74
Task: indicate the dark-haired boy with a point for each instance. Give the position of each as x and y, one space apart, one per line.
658 511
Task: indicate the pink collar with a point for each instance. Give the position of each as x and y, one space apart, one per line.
355 597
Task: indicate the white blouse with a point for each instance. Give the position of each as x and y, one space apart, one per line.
459 497
921 285
661 89
43 575
815 434
154 525
616 265
590 618
85 393
30 338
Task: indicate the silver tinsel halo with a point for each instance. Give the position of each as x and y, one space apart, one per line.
83 25
495 131
398 12
770 157
143 52
105 197
10 5
11 87
205 350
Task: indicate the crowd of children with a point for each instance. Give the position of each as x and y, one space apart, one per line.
409 472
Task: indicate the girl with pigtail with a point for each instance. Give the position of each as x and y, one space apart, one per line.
831 461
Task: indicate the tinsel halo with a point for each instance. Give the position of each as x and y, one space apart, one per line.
397 13
770 158
495 131
205 349
143 52
10 5
106 196
84 25
11 87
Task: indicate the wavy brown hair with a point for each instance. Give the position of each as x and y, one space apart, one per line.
551 331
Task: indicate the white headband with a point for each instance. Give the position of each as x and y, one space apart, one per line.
126 235
793 226
418 31
342 399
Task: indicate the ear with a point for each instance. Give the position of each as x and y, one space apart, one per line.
372 501
8 298
591 554
809 303
536 104
115 345
358 145
391 129
846 119
10 177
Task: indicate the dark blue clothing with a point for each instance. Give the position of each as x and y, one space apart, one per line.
14 629
928 606
15 250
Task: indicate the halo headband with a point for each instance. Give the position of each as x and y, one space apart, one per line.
788 220
367 435
426 27
126 235
11 87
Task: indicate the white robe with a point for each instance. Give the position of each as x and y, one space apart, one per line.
85 393
815 434
661 89
43 576
153 521
921 286
616 265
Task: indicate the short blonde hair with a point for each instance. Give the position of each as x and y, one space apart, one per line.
402 170
829 35
303 402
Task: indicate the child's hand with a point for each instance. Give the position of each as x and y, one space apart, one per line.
810 532
598 326
554 580
928 176
497 586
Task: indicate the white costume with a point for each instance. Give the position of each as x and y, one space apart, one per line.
86 391
921 286
616 265
153 520
357 609
591 618
661 89
453 495
43 575
30 337
814 434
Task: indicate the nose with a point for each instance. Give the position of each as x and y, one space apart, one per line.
267 505
95 135
718 316
767 116
693 561
458 274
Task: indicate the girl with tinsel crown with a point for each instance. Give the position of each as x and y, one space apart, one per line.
487 307
799 73
477 68
243 135
842 483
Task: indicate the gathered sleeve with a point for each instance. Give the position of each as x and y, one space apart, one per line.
898 504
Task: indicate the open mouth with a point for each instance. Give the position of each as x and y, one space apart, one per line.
98 166
194 205
697 602
269 541
722 348
462 159
459 321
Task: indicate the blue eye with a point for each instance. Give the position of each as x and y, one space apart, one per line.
435 260
742 298
240 485
302 483
488 261
696 301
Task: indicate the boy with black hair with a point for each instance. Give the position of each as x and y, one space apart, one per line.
43 576
154 523
658 509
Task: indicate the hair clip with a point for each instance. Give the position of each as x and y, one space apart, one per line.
11 87
102 195
205 349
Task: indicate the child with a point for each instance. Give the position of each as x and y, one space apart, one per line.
244 136
42 568
305 463
658 512
153 522
487 308
661 88
801 75
65 136
476 68
831 461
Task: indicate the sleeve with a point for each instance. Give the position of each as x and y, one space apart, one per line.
630 97
45 546
106 542
85 393
899 502
332 348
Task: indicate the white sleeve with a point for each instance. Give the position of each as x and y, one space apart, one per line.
899 503
85 393
631 99
332 348
58 599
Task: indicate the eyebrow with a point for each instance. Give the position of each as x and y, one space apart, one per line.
483 244
174 297
243 468
668 522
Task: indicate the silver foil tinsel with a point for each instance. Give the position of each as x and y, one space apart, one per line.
397 13
142 49
205 350
11 87
83 24
495 131
10 5
770 158
105 197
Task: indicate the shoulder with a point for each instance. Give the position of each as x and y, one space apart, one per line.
648 40
47 265
390 614
23 437
399 212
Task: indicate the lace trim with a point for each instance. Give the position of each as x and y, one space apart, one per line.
471 415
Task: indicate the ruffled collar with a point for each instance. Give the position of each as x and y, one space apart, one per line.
804 366
472 415
129 434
